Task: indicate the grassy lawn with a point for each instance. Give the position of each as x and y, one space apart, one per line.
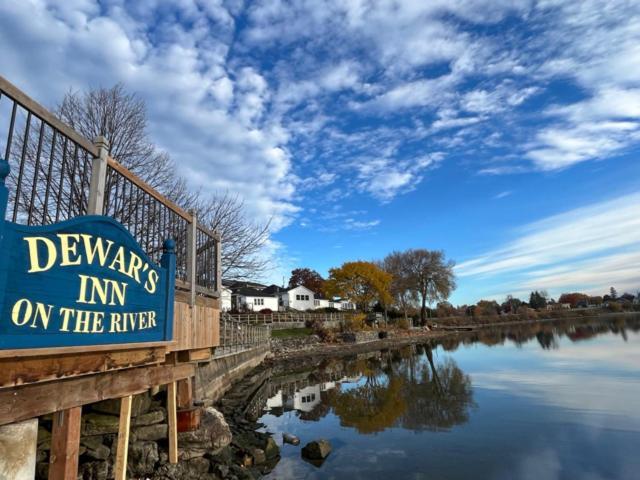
291 332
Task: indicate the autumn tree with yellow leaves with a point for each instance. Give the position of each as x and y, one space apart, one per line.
363 283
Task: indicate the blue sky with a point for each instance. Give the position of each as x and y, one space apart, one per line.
505 132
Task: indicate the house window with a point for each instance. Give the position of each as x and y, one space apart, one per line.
258 301
316 303
298 297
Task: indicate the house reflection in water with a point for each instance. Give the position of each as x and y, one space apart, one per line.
304 399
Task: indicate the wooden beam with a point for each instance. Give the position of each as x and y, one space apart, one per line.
65 443
123 438
25 370
29 401
173 423
185 393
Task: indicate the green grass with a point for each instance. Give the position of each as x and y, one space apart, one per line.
291 332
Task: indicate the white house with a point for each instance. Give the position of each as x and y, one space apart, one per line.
247 298
298 298
307 398
225 299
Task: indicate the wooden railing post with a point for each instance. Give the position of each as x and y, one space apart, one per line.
98 177
192 231
218 244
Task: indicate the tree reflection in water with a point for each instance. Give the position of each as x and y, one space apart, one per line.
405 389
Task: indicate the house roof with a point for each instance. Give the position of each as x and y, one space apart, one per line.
274 289
252 292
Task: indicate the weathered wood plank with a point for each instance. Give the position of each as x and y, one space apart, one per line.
173 423
41 352
185 393
25 370
123 438
29 401
65 444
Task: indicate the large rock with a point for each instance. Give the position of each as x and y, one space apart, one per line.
195 469
93 471
159 431
98 424
140 404
271 448
94 448
316 450
290 438
150 418
143 457
213 434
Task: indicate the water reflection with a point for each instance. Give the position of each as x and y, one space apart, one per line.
547 394
401 388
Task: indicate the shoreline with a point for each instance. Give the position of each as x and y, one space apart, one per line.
323 350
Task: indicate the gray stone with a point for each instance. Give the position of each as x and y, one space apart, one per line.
101 452
213 434
143 457
92 442
258 456
140 404
271 448
316 450
98 424
155 432
94 471
44 438
290 438
150 418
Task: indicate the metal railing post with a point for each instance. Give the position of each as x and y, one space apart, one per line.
192 231
98 177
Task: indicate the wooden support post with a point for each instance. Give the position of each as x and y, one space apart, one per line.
123 438
173 423
98 177
185 393
65 443
192 233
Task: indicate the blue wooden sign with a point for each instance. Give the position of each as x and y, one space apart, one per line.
80 282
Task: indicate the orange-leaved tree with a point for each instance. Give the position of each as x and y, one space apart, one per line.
362 283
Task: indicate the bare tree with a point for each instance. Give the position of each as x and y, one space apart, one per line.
243 241
121 118
430 276
396 263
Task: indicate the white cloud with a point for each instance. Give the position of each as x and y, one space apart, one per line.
386 177
590 248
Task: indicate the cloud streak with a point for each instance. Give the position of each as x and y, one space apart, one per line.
592 247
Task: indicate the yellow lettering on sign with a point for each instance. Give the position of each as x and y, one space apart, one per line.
96 248
21 316
34 258
119 260
68 247
101 288
66 313
150 284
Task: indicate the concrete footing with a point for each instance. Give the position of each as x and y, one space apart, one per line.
18 445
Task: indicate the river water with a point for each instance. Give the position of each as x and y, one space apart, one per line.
534 402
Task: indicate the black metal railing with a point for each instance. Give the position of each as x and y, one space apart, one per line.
50 168
237 336
50 180
149 220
